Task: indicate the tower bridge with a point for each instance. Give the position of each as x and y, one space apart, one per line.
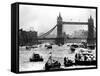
60 39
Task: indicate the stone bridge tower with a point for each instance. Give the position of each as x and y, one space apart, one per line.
90 39
60 39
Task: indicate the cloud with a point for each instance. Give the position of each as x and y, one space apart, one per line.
43 18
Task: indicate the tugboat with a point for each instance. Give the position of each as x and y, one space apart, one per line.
36 58
28 48
67 62
72 48
85 58
52 64
48 46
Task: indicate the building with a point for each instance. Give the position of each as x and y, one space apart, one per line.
27 37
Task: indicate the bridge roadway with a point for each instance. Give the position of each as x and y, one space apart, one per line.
56 38
67 40
76 23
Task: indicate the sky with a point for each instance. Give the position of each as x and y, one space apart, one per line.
43 18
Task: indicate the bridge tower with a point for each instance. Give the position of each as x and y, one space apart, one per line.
60 39
90 39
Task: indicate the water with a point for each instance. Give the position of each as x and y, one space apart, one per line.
58 53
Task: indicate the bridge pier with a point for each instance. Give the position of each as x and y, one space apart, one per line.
59 41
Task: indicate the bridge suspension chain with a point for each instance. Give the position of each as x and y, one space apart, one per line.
47 33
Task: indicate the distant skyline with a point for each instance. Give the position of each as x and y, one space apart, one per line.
43 18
